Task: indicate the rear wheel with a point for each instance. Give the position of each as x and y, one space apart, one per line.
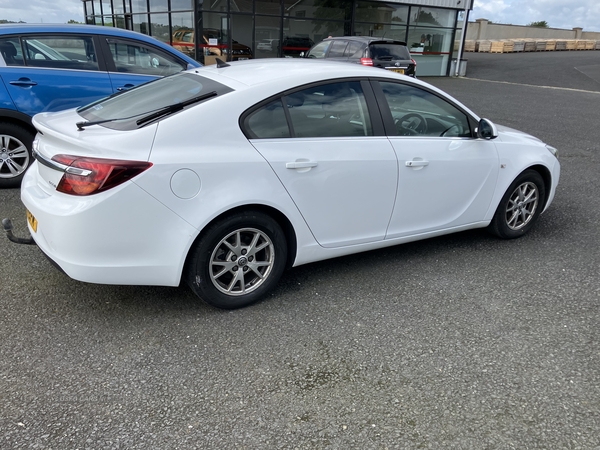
15 154
520 207
238 260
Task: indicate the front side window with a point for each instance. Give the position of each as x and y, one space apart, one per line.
417 112
132 57
60 52
319 50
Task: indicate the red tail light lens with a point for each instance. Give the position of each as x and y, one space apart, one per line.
87 176
414 62
366 61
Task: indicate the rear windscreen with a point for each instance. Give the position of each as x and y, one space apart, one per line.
124 111
389 51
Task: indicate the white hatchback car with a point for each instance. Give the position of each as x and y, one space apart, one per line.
223 176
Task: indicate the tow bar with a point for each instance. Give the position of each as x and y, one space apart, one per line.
8 227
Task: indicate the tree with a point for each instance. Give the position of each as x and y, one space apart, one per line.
73 21
539 24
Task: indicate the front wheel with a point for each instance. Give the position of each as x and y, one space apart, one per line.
520 207
238 260
15 154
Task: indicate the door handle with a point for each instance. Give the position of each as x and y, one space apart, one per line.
416 163
125 88
23 82
301 164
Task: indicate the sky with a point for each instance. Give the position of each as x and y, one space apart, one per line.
566 14
558 13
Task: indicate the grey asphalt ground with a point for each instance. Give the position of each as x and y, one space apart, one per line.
459 342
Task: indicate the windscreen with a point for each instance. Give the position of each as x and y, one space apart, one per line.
125 111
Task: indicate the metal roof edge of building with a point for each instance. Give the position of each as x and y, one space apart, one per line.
454 4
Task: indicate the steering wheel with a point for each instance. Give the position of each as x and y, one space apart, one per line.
411 124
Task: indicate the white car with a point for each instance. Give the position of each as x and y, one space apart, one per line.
223 176
267 45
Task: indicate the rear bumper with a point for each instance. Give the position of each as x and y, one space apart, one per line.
125 239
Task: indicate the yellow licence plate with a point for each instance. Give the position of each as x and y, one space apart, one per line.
32 221
400 71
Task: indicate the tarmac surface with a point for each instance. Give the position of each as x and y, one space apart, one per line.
458 342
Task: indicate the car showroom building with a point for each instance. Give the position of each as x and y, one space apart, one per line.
242 29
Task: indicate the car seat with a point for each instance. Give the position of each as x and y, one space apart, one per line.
9 52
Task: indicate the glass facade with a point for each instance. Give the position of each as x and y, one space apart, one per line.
243 29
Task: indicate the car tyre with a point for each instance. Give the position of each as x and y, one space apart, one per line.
15 154
520 206
238 260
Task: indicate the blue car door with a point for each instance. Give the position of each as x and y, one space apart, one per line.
54 72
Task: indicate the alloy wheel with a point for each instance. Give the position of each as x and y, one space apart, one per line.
14 157
522 205
242 261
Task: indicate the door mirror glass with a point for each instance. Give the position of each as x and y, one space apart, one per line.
486 129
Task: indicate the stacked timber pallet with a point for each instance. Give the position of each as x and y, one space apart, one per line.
508 46
519 45
484 46
497 47
469 45
529 45
561 45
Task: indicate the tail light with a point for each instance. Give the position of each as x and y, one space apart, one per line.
87 176
366 61
414 62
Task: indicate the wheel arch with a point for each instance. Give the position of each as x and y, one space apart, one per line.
17 118
275 214
546 176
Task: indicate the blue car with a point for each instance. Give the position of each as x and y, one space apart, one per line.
55 67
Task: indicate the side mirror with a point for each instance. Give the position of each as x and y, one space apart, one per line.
487 130
301 54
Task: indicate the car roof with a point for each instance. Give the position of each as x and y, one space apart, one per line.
253 72
12 28
366 39
281 74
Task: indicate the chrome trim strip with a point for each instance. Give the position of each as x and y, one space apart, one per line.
60 167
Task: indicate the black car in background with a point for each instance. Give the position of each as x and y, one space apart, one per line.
373 51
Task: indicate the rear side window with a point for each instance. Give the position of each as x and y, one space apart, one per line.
327 110
10 48
354 49
56 52
389 52
268 122
132 57
337 49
